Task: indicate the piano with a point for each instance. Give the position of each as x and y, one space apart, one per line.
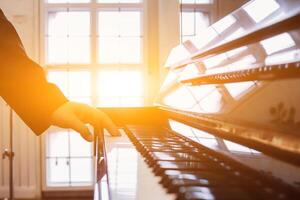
226 122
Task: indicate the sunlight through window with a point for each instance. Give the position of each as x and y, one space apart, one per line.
68 37
80 36
76 85
119 1
69 1
118 43
120 88
195 1
192 23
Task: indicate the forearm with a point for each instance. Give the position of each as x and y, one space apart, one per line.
24 87
23 84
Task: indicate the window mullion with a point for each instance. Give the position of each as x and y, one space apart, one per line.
94 54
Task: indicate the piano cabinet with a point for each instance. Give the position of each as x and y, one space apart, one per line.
225 124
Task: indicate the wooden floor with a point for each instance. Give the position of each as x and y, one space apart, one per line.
74 195
65 195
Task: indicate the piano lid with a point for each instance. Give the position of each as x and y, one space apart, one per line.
244 69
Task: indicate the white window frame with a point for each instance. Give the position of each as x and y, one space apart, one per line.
209 8
93 67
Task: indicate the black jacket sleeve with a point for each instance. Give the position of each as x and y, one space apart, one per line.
23 84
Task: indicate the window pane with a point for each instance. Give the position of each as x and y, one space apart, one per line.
68 1
85 100
130 24
62 46
188 1
78 146
108 101
57 51
69 23
81 171
59 78
133 83
124 42
120 88
130 50
57 22
79 50
119 1
119 50
57 144
79 23
193 23
63 50
196 1
108 23
109 83
132 101
76 85
80 83
108 50
120 83
130 1
188 23
57 172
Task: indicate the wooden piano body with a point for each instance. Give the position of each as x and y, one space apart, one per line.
226 123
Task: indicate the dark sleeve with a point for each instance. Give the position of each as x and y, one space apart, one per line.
23 84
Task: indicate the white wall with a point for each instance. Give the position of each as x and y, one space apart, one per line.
24 16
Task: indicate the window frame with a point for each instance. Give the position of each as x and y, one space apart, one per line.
209 8
93 67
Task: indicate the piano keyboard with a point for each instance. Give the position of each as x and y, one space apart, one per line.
241 85
129 177
189 171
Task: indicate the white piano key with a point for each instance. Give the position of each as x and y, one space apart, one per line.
129 176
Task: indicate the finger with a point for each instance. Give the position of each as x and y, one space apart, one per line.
98 119
107 123
77 125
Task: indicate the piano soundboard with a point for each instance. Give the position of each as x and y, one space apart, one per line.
226 122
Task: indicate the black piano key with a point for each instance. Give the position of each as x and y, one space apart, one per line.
193 172
212 176
200 192
172 156
174 184
182 166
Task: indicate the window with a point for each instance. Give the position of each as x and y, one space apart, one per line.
93 51
195 16
119 36
114 92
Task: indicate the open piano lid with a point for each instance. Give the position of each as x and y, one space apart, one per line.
241 78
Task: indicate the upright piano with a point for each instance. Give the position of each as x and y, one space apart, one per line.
226 122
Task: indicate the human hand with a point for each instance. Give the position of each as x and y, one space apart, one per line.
77 115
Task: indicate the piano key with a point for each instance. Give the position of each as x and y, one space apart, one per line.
188 171
129 176
195 166
200 192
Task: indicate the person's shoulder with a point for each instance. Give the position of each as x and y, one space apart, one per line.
2 16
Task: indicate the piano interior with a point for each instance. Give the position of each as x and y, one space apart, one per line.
227 119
